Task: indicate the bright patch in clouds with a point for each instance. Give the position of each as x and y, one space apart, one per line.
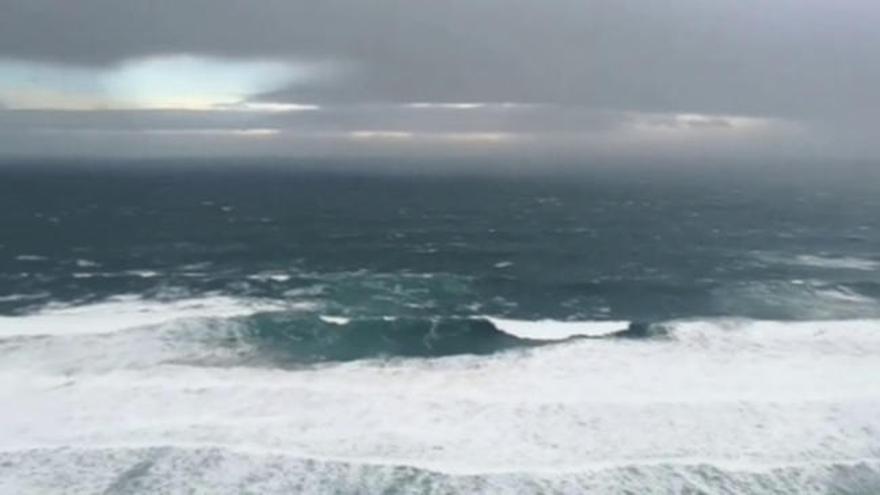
255 132
268 107
458 137
381 135
425 105
680 121
194 82
169 82
704 129
248 133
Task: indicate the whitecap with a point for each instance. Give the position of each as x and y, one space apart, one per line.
142 273
335 320
557 330
30 257
269 276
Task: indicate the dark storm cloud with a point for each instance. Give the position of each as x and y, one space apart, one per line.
587 64
793 58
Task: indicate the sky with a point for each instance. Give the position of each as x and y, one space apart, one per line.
584 79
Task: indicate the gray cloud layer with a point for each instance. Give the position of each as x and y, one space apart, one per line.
588 63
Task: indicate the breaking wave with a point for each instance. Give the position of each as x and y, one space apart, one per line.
220 331
293 398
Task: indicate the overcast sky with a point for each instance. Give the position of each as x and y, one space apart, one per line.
763 79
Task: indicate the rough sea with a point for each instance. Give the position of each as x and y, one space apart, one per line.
267 329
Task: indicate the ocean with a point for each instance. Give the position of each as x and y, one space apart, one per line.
267 328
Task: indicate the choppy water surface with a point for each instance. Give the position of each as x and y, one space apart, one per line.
262 330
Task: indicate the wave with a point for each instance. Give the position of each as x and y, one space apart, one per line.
291 332
126 273
30 257
224 405
304 338
836 262
222 331
822 261
126 312
278 339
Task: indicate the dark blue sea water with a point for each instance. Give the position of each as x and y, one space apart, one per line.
269 328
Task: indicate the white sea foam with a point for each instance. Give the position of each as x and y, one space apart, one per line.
719 399
125 312
557 330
